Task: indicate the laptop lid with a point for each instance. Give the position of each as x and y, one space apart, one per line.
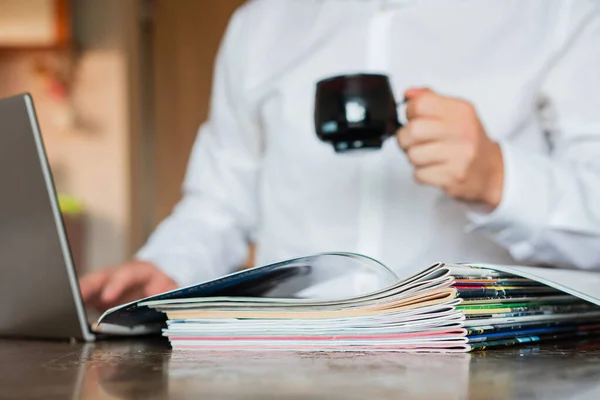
39 291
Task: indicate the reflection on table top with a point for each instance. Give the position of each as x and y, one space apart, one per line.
148 369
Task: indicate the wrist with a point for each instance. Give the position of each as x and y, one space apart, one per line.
494 185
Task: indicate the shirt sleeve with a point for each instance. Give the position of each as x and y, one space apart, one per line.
550 210
207 234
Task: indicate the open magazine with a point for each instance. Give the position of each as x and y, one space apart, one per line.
349 302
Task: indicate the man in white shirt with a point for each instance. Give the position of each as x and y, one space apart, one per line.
499 161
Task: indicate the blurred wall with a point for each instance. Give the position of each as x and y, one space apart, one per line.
86 129
185 40
119 133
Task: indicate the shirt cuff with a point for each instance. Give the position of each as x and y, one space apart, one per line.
525 205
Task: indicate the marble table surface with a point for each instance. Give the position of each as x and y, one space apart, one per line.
148 369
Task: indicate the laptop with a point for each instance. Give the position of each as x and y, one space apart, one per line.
39 290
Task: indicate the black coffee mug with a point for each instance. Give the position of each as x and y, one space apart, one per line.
354 112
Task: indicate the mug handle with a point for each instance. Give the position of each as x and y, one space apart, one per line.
401 110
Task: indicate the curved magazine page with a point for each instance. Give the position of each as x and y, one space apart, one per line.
392 294
311 277
433 297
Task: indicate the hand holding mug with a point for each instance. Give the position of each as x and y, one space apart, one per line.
446 143
443 138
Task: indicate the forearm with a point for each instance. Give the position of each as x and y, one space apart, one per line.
550 210
195 244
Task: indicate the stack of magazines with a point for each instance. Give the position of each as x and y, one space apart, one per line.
349 302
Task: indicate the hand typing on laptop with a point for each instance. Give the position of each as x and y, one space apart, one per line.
128 282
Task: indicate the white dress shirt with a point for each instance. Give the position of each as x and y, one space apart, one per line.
258 173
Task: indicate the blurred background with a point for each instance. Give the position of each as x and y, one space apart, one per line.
120 87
